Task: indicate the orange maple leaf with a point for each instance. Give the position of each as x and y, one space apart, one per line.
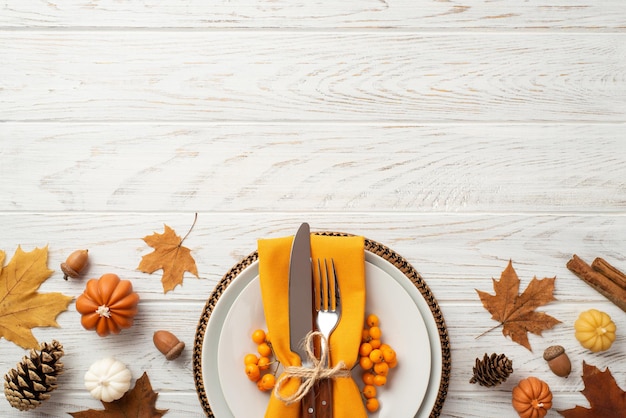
21 306
604 396
139 402
169 255
515 312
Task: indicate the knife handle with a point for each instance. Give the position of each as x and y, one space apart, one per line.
324 398
308 405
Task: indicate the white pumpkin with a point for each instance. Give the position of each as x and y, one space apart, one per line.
107 379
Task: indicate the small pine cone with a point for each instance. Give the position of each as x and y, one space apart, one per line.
32 380
492 370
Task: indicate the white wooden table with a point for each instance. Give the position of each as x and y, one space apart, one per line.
459 133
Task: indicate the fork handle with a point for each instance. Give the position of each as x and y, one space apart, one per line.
323 390
324 398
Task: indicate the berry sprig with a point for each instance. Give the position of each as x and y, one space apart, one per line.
376 359
257 367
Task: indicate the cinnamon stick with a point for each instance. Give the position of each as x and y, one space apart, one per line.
603 267
612 291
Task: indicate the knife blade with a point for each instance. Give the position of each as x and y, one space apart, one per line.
301 320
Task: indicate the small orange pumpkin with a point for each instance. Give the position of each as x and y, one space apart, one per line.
107 305
532 398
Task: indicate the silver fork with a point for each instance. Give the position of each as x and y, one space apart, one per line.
329 308
328 313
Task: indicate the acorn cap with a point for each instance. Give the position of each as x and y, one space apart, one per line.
168 344
68 271
553 352
175 352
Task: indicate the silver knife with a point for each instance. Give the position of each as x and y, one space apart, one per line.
301 320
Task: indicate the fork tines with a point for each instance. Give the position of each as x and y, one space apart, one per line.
329 296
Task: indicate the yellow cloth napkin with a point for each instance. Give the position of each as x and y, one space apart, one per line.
349 256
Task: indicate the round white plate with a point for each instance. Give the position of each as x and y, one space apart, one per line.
423 385
402 325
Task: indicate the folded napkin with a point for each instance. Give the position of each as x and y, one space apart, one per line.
349 256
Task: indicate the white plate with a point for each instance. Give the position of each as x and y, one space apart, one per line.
398 314
406 321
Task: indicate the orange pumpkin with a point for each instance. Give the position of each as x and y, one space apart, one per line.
532 398
107 305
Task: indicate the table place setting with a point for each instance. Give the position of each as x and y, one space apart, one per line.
287 288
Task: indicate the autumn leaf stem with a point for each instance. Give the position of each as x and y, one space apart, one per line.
489 330
195 218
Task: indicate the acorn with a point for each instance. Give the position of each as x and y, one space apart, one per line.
74 264
558 360
168 344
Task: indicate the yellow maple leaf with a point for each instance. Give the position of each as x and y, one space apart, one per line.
21 306
170 256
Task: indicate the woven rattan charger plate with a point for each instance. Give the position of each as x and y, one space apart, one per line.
371 246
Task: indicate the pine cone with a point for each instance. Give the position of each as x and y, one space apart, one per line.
492 370
32 380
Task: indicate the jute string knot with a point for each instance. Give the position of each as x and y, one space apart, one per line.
310 375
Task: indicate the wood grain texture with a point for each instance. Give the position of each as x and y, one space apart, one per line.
461 134
454 248
312 76
174 380
455 253
385 168
509 15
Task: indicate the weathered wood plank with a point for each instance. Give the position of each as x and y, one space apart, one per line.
185 405
179 404
330 167
509 15
460 134
174 380
311 76
455 253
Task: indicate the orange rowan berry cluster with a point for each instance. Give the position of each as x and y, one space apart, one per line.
376 359
257 367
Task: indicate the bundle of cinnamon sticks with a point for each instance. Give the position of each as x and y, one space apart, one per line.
603 277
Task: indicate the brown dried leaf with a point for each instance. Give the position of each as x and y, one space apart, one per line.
605 397
169 255
21 306
515 312
139 402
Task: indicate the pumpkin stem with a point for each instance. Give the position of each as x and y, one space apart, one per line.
104 311
195 218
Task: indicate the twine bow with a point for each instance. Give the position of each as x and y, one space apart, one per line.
310 375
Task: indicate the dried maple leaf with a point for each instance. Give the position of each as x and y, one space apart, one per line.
604 396
515 312
169 255
139 402
21 306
